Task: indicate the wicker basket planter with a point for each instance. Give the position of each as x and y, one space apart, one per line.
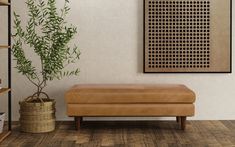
2 119
37 117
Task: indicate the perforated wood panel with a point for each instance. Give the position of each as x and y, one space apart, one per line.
187 36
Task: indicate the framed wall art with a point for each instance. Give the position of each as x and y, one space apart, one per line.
187 36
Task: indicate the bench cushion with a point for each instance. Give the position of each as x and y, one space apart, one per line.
130 109
130 94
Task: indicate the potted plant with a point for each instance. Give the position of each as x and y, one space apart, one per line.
48 35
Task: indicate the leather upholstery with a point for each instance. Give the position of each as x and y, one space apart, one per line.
130 94
130 100
130 109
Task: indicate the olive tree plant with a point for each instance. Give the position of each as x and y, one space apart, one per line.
48 34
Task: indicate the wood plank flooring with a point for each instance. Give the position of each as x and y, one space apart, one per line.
129 134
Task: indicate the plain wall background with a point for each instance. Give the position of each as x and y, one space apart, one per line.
111 41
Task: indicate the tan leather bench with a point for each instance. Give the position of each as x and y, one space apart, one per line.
130 100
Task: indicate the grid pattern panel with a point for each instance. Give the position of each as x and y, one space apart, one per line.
178 34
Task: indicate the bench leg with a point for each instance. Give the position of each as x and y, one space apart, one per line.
183 122
78 122
178 119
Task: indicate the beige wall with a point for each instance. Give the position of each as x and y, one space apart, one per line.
111 42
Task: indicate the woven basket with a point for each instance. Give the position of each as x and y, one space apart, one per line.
37 117
2 119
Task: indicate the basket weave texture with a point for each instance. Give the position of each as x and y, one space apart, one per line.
37 117
2 118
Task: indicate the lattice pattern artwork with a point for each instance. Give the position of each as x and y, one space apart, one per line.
184 36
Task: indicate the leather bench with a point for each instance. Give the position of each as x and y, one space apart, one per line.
113 100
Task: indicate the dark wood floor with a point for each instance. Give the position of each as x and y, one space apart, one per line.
130 134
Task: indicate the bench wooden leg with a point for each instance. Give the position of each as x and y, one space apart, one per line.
183 122
178 119
78 122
